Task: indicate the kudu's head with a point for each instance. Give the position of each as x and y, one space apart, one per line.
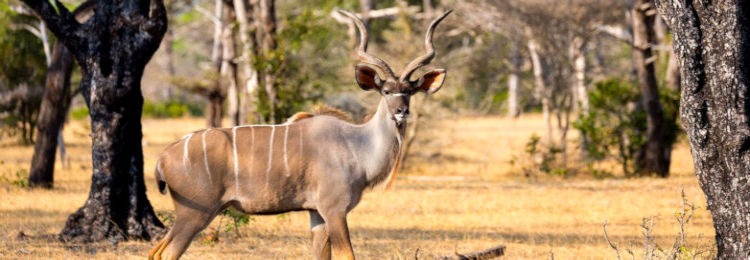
396 90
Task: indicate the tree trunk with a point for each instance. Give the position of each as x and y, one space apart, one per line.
169 62
580 92
215 95
514 79
365 6
266 29
215 109
712 44
249 79
229 68
55 103
654 159
540 88
112 50
427 7
673 71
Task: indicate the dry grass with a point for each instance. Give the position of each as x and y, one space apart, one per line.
477 203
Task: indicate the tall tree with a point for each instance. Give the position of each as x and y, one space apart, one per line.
713 47
248 86
112 49
265 20
654 159
55 103
228 69
514 77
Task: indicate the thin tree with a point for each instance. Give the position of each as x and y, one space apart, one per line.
712 44
112 49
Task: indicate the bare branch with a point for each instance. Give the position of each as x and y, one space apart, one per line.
612 245
388 13
617 31
60 21
208 14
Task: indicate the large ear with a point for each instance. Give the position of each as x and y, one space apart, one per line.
367 78
431 81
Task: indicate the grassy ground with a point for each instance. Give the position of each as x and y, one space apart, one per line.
459 194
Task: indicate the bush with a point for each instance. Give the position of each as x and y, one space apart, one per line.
538 158
170 109
615 128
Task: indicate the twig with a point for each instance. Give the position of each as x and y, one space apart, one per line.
612 245
648 226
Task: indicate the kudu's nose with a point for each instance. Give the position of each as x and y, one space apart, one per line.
402 111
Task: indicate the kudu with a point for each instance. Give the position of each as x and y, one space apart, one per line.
318 163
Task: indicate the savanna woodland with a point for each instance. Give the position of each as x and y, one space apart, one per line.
263 129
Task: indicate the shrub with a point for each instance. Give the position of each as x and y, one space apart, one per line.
538 158
170 109
615 127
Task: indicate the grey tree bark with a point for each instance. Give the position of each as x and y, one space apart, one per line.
217 94
364 8
249 82
712 42
228 70
541 89
580 92
655 157
112 48
514 79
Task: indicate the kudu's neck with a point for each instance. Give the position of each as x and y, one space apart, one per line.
385 138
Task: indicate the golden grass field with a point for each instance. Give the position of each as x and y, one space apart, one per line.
460 193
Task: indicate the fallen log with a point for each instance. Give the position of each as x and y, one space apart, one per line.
489 253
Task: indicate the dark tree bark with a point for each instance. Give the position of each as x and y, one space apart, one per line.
55 103
112 48
215 109
654 159
712 42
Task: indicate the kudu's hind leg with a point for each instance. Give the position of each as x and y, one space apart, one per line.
320 241
188 222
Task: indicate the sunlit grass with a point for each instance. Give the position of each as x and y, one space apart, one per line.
474 201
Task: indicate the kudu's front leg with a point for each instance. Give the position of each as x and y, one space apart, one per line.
338 233
320 241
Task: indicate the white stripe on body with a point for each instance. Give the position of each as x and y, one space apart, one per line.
286 161
252 148
185 157
205 156
270 153
236 165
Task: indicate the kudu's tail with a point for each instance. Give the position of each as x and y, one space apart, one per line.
160 178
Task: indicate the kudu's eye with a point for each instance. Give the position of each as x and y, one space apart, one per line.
386 92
